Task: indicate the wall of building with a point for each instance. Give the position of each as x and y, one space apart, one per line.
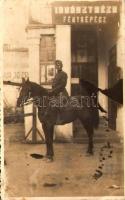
108 38
121 63
63 52
102 67
15 62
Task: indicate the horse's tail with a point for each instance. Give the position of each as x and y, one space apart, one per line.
115 92
90 87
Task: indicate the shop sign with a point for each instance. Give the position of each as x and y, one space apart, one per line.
15 75
100 12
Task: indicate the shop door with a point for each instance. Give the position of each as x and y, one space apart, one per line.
84 65
112 79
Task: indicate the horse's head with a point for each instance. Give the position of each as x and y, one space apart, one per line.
25 92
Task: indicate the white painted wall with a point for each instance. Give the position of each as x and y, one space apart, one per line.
34 66
102 68
63 52
121 63
34 72
106 39
15 63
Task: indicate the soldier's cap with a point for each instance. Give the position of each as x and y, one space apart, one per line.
58 63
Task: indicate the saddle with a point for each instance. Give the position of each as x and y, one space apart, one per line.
58 111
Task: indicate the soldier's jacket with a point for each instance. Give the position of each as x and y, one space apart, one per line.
59 84
58 89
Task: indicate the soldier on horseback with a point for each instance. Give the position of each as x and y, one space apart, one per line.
60 81
58 94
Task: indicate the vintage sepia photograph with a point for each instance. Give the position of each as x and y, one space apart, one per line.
63 113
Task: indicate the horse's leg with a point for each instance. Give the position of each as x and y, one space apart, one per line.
90 132
85 118
50 152
48 131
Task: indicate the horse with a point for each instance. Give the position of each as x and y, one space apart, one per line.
50 115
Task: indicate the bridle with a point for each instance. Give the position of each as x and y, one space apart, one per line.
28 101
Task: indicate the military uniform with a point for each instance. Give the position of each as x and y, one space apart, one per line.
59 84
58 91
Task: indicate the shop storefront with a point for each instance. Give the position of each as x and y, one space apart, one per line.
88 37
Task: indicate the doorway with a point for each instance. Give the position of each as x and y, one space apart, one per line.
84 64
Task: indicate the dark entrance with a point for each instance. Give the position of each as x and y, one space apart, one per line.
84 63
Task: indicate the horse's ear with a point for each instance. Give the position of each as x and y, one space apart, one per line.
23 80
28 79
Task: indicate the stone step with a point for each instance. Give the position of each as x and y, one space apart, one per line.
102 134
96 140
82 140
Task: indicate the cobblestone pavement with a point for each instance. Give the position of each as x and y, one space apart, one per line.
71 173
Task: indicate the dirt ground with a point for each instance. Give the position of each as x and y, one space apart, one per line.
71 173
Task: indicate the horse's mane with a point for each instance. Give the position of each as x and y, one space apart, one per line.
38 87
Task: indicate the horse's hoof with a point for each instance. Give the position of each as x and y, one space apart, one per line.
44 159
88 154
48 160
